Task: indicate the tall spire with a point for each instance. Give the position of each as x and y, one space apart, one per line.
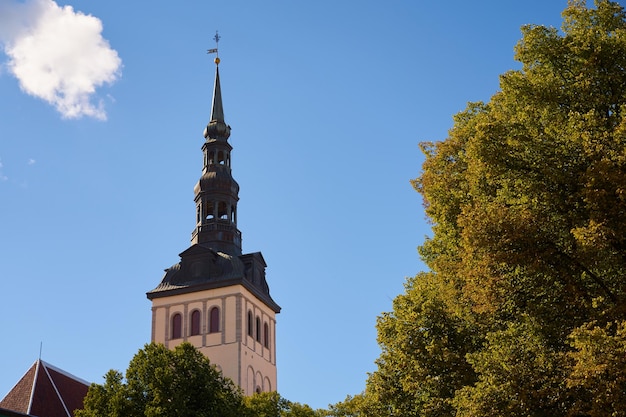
217 298
217 128
217 193
217 109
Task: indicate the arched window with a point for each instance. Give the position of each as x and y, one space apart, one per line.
210 210
214 320
222 213
258 329
266 335
177 320
250 329
195 323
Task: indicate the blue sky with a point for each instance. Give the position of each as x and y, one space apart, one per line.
327 101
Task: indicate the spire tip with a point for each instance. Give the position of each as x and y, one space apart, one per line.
217 38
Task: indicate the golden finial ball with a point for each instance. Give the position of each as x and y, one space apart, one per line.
216 60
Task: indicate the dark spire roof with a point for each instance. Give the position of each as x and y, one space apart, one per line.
203 268
217 127
215 259
217 110
46 391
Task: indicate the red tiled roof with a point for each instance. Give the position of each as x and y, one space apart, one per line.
46 391
19 397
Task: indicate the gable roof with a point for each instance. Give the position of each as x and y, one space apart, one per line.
46 391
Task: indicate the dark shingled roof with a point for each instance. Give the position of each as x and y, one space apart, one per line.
46 391
202 268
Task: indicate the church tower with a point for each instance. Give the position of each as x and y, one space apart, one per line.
217 298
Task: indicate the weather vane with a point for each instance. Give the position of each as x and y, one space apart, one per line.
217 38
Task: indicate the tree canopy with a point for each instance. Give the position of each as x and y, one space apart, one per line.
162 382
271 404
180 383
522 311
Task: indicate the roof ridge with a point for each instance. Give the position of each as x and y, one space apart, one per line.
67 374
56 390
32 390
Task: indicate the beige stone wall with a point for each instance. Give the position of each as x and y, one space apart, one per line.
243 358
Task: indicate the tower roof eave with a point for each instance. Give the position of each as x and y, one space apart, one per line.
169 290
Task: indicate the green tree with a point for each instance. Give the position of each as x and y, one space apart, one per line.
519 375
266 404
162 382
271 404
527 198
424 344
353 406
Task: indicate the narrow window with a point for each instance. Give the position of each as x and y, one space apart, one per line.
249 323
258 329
214 320
266 335
176 326
195 323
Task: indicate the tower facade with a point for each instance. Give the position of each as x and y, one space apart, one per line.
216 297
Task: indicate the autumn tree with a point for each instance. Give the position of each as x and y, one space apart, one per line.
523 308
161 382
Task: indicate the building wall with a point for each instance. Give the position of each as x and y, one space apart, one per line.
249 360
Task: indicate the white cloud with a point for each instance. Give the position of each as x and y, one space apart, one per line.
58 55
31 161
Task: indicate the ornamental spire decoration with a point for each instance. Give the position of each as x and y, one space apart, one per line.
217 127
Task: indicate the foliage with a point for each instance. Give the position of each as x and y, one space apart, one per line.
180 383
523 311
162 382
519 375
423 346
353 406
266 404
599 369
271 404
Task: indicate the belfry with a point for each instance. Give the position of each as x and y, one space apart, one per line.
216 297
